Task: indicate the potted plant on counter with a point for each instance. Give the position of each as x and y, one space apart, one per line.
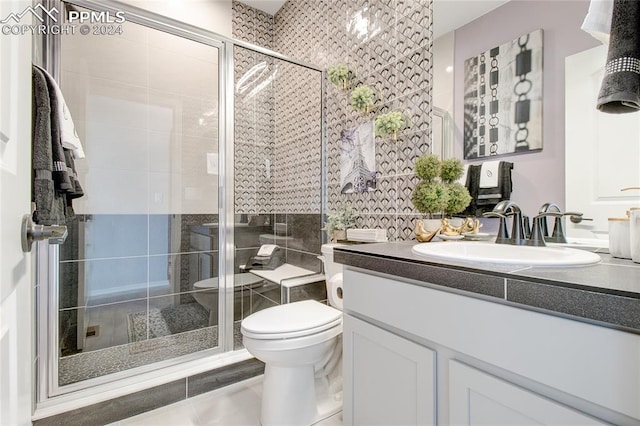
338 222
459 198
438 193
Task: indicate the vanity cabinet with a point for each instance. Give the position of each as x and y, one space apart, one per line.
391 380
478 398
415 353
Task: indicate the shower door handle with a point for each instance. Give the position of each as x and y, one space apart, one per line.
56 234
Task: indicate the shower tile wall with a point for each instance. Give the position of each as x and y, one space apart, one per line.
388 45
278 145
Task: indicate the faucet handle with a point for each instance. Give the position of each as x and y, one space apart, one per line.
557 236
550 214
494 214
503 234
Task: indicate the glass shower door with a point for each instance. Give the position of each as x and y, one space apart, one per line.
138 275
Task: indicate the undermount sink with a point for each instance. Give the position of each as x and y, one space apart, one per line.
506 254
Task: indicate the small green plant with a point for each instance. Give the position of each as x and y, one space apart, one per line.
341 219
428 167
362 98
430 197
438 192
340 75
459 198
390 123
451 170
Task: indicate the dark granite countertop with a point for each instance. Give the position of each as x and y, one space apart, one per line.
607 293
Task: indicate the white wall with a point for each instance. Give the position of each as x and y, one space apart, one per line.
212 15
16 288
145 104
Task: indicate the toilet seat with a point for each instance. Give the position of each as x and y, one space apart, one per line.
291 320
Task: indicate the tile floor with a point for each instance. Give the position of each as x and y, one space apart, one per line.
234 405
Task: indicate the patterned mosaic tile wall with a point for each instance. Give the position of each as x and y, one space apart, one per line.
254 133
278 146
298 145
388 46
278 150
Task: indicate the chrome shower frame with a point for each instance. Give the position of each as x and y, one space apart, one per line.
53 398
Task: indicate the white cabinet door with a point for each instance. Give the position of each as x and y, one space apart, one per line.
477 398
388 380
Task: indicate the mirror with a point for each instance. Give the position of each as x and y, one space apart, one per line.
449 15
539 177
442 141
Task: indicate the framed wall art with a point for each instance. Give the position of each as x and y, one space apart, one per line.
503 99
357 159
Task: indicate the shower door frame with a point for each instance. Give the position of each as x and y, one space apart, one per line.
48 337
49 393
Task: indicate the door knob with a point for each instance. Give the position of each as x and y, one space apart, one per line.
56 234
577 218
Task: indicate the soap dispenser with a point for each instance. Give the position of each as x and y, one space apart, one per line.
634 230
620 237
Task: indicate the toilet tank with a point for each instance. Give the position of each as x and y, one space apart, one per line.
330 268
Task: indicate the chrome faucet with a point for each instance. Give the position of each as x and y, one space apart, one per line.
539 234
503 210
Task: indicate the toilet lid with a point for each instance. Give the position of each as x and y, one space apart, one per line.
291 320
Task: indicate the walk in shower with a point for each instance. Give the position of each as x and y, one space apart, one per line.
196 154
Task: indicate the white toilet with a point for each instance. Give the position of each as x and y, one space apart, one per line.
301 346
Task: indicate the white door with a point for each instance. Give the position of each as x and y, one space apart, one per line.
388 380
16 295
602 150
477 398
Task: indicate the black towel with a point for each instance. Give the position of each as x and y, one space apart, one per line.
50 204
60 172
55 181
620 90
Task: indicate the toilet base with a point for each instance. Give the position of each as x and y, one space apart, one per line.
313 399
